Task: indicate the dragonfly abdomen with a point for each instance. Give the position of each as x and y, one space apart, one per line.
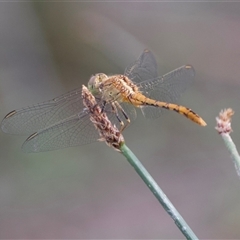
140 100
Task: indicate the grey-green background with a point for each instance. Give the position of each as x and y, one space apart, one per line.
47 49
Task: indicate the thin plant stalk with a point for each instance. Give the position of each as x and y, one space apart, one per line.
158 193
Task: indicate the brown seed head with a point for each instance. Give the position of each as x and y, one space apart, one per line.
108 132
224 121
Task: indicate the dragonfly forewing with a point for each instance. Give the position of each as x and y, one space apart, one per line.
145 67
28 120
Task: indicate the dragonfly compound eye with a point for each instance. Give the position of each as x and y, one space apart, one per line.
91 82
102 77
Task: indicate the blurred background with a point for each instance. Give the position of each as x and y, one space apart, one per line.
90 191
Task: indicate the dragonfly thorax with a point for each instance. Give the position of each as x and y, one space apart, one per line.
117 88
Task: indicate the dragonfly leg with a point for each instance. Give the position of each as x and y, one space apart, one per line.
125 115
103 106
115 110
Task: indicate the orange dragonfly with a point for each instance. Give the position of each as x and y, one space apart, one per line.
65 122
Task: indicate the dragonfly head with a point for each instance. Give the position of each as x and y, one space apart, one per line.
95 82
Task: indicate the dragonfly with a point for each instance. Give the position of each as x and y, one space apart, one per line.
65 122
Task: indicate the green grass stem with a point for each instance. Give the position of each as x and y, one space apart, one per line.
233 151
158 193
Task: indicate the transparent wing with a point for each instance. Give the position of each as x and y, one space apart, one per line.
30 119
144 68
167 88
74 131
58 123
